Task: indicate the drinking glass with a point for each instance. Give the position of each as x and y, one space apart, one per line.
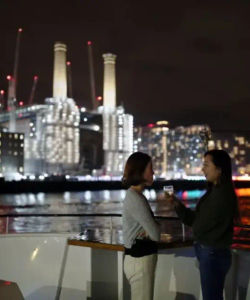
168 190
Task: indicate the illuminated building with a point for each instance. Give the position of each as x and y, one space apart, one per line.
186 148
117 126
60 136
11 154
176 153
238 147
152 139
51 130
57 128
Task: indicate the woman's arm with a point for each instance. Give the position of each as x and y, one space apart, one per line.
140 211
186 215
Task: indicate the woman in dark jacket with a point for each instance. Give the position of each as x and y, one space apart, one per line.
212 223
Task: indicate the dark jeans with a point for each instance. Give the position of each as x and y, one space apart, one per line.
214 265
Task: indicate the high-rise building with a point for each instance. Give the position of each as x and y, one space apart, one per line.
152 139
238 147
177 152
186 148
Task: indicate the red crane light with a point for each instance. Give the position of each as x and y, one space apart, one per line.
2 92
89 43
20 103
20 29
35 77
68 63
9 77
151 125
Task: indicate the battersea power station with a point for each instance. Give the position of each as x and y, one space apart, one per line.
54 138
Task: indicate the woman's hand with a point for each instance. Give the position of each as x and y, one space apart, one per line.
142 234
172 200
166 237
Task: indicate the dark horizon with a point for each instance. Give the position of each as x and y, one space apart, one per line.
185 63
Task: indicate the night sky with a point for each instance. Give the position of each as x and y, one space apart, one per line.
187 62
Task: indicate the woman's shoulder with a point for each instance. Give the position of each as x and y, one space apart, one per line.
225 191
226 188
133 197
132 194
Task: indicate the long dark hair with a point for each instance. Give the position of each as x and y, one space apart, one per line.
134 169
222 160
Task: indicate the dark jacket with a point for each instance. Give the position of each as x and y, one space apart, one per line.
212 220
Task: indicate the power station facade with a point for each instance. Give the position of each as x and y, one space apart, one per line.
52 130
52 134
117 126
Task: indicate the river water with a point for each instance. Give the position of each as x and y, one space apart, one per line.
46 209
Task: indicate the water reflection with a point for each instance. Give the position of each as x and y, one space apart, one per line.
90 202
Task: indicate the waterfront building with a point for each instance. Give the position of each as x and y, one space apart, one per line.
11 154
60 139
238 147
51 130
117 125
186 147
177 152
152 139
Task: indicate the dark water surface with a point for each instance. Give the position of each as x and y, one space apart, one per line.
50 206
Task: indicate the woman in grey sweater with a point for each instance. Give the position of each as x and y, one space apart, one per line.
140 231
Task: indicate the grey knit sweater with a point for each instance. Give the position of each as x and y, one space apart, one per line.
138 217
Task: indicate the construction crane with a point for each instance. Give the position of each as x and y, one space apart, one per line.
11 106
69 80
33 90
92 76
13 82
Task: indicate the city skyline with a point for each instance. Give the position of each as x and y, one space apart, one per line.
187 64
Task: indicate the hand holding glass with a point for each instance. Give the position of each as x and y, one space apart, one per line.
168 190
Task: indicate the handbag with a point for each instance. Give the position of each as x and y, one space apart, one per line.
142 247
